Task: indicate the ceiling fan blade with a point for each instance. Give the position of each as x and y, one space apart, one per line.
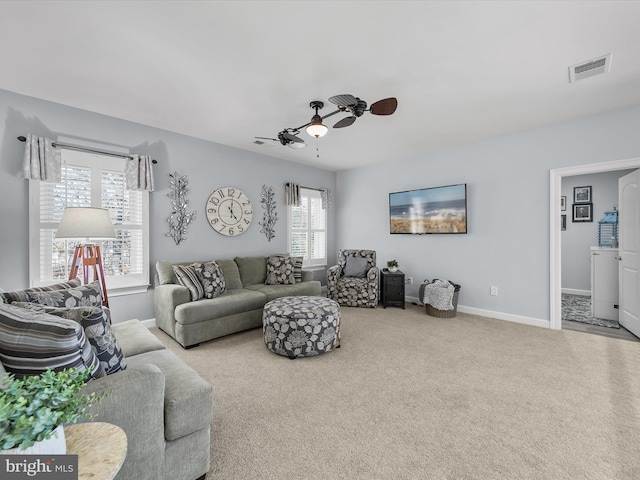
292 138
345 122
384 107
267 138
345 100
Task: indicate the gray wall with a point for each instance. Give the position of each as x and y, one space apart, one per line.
508 208
207 165
579 237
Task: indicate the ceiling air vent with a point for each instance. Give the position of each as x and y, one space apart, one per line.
590 68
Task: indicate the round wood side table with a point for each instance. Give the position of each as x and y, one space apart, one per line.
101 449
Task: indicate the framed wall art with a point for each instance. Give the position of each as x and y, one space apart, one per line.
582 194
583 212
563 203
563 222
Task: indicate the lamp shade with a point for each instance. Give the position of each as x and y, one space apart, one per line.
86 222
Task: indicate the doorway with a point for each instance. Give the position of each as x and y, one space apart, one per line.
555 249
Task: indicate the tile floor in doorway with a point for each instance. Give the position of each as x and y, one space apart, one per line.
576 315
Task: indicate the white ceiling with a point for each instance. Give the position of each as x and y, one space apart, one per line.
230 71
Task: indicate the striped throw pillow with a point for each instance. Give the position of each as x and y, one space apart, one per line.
97 328
187 277
21 295
297 268
33 342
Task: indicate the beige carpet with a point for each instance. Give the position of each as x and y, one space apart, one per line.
409 396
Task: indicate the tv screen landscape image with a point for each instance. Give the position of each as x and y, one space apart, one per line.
429 210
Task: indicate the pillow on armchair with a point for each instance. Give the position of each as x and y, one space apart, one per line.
356 267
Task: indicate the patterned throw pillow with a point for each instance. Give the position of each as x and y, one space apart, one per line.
89 295
97 328
21 295
211 278
280 271
32 342
186 275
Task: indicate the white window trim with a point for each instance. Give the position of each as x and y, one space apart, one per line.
307 263
116 286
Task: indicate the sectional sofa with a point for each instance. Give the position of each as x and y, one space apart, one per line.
164 407
239 308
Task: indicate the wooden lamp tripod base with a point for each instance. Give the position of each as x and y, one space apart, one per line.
89 256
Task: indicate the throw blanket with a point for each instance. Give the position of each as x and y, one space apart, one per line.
439 295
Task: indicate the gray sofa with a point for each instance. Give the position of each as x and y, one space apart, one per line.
164 407
239 308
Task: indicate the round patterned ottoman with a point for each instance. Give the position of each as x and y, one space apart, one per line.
301 326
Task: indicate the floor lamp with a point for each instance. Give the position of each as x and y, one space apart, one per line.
89 224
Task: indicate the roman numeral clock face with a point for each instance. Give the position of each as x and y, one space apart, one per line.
229 211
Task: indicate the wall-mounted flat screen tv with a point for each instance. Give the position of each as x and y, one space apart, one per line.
429 210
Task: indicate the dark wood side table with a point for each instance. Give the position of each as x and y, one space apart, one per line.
392 288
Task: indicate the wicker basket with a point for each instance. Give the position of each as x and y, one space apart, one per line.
434 312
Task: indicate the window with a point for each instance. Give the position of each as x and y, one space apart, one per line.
307 225
90 180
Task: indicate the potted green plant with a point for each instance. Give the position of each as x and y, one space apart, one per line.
34 409
393 265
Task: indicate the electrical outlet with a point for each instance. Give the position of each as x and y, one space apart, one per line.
494 291
410 280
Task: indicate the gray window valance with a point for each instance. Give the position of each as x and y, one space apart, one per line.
292 192
42 161
139 173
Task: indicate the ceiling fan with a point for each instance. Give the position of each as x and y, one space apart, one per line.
345 103
286 137
357 107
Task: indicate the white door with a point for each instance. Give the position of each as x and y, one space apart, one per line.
629 253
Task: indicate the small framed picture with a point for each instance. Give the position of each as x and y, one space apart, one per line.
563 222
583 212
582 194
563 203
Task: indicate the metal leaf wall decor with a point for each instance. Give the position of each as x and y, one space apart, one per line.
179 219
270 216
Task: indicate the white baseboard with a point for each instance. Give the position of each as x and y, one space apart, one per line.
150 323
573 291
412 300
534 322
510 317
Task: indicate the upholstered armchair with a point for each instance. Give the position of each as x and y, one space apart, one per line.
354 281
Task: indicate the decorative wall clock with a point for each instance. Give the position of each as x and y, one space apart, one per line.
229 211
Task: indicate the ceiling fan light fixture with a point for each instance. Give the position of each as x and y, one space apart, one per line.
317 128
